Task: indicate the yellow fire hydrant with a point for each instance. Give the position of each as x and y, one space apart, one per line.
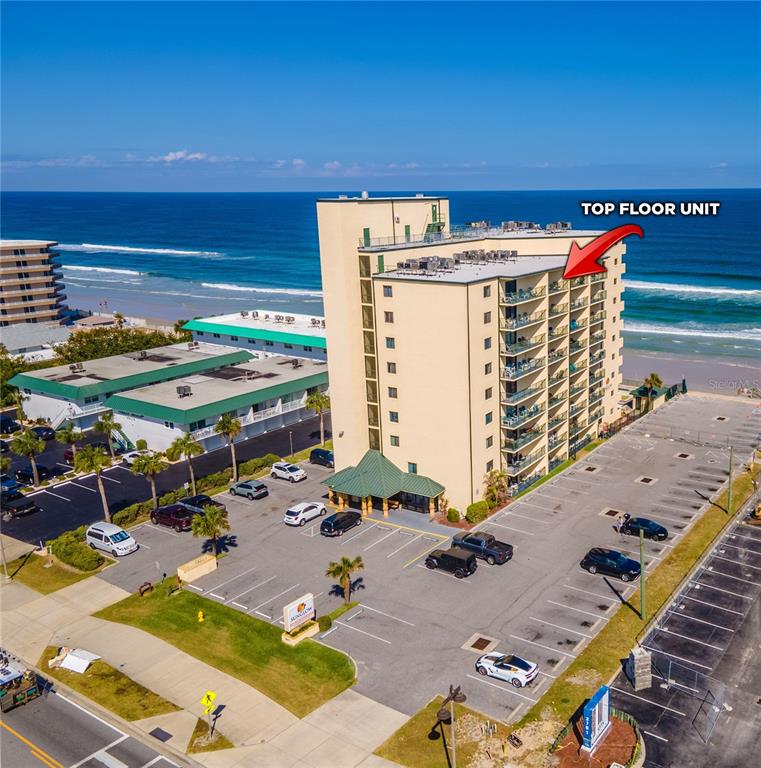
201 616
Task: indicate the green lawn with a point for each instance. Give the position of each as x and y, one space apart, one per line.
31 571
300 678
199 743
109 688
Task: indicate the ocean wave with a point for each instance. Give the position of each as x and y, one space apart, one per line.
748 334
708 290
251 289
102 269
94 248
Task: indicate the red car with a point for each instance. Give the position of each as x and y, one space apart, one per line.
173 516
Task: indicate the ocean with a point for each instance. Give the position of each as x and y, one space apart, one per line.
693 284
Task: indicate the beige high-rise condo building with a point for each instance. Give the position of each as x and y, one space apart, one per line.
459 351
31 290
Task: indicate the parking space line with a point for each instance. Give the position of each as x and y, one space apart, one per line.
509 527
711 569
737 562
110 479
424 553
743 549
378 541
158 529
251 589
193 586
500 688
594 594
239 605
526 517
691 639
655 735
222 584
84 487
557 626
648 701
362 631
743 536
539 506
275 597
57 495
674 656
399 549
675 612
546 647
712 605
701 585
61 464
396 618
571 608
357 535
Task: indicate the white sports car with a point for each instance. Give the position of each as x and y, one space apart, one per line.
511 669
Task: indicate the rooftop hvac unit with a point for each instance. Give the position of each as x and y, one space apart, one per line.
192 345
296 363
255 315
244 313
183 390
73 368
79 367
142 355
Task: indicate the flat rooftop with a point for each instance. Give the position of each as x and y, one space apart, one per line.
369 199
265 325
474 272
26 243
221 390
107 374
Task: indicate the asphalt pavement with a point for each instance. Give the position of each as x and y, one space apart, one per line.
76 502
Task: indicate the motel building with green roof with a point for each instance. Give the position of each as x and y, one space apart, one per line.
159 394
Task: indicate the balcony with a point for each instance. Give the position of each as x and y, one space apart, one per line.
518 297
555 355
577 346
522 416
578 304
574 409
517 443
576 388
556 440
521 394
597 337
523 346
558 400
597 357
578 367
598 278
595 415
578 427
578 282
579 444
558 309
518 487
558 286
556 333
511 323
596 396
598 297
595 377
558 378
598 317
557 421
556 462
578 325
514 372
518 466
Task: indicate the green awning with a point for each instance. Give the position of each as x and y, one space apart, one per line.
376 476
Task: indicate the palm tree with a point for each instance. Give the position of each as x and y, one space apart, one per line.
29 445
187 447
230 427
210 524
342 571
495 485
149 465
119 319
68 434
17 398
319 402
106 426
652 382
91 460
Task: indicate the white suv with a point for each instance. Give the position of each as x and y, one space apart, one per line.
286 471
301 514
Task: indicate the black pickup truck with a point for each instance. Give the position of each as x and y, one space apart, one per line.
485 546
15 504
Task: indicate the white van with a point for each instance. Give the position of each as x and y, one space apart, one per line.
110 538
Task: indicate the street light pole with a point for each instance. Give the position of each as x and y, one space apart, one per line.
290 439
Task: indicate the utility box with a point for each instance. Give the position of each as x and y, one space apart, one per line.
639 669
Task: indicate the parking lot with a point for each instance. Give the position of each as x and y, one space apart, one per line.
425 626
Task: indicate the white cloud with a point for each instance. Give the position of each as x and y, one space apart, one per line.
179 155
333 165
298 163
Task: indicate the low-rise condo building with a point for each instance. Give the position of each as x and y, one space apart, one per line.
31 288
458 352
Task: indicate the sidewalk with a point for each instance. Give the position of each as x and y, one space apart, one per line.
341 734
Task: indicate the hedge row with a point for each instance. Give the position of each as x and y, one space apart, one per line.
70 548
477 511
252 466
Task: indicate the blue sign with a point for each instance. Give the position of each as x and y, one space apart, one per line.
596 718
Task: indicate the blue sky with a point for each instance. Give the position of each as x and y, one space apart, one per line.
287 96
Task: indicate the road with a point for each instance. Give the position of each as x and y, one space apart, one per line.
77 502
56 732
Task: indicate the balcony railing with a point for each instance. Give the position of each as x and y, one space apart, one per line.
578 325
577 282
558 286
597 337
599 296
577 367
513 372
558 378
598 317
578 304
576 388
522 320
576 428
556 333
574 409
557 420
595 377
597 278
521 394
517 443
595 396
556 462
518 487
558 309
577 346
555 355
518 297
523 346
559 400
556 440
597 357
517 466
524 414
579 444
595 415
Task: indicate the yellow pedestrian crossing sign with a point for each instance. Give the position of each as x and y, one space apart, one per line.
207 702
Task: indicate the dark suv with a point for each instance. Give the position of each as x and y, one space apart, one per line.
25 474
454 561
43 432
339 523
322 456
197 503
173 516
611 563
8 425
484 546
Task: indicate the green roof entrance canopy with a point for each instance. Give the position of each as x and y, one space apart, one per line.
376 476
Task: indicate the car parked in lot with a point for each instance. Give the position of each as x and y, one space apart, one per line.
4 447
197 503
251 489
286 471
454 560
8 425
340 522
610 563
512 669
7 483
68 454
484 546
128 459
43 432
16 504
25 475
322 456
173 516
110 538
301 514
649 528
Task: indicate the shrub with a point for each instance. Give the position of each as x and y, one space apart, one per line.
215 480
325 623
477 511
141 445
453 515
252 466
70 548
131 514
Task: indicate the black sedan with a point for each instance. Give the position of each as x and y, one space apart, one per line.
25 474
650 529
609 562
44 433
8 425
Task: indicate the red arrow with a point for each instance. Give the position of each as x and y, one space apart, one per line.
584 261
